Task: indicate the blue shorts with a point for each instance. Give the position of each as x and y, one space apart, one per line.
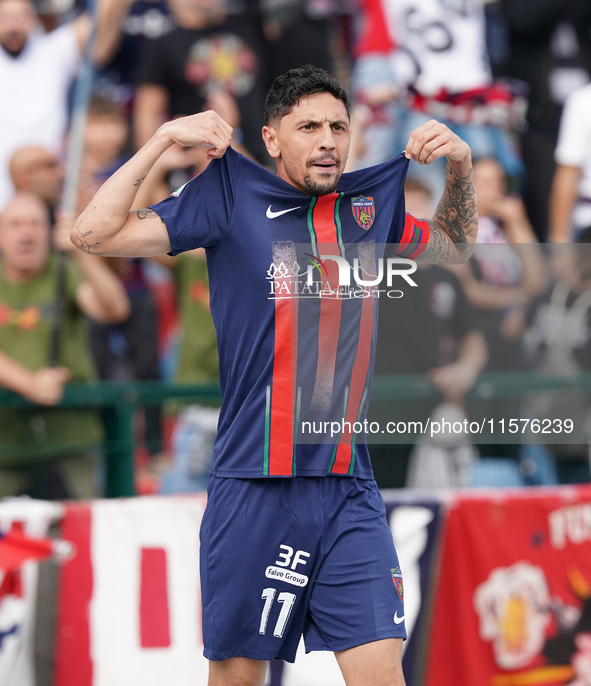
286 557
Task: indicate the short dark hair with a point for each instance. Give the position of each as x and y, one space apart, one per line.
287 90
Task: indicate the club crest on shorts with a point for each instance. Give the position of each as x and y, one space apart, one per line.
364 211
397 579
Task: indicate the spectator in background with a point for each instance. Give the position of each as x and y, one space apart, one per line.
36 71
570 200
179 165
557 335
431 330
197 352
550 50
105 136
299 32
418 60
197 359
128 350
208 51
141 21
196 427
506 271
48 453
38 171
172 171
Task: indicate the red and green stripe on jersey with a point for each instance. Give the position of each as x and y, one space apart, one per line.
282 400
279 453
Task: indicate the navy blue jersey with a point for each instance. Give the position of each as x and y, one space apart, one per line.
287 353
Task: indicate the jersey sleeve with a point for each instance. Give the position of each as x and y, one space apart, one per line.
198 215
392 175
409 233
414 237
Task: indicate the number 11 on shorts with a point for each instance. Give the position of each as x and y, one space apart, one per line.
287 601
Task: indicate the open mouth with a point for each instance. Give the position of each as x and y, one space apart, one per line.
325 165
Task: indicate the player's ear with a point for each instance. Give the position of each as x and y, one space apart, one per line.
270 138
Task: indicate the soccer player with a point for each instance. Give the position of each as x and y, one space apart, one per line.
294 538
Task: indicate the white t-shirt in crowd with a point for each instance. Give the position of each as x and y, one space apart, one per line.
440 44
33 104
574 148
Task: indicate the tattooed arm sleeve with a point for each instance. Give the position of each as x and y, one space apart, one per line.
454 226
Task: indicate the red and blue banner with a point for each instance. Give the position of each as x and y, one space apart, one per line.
513 596
497 590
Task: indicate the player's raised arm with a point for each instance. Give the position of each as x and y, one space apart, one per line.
454 226
108 227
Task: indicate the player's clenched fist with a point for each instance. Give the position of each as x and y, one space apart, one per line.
434 140
203 128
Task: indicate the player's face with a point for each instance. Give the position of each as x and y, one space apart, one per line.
311 143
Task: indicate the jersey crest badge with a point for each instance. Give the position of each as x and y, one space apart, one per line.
364 211
397 579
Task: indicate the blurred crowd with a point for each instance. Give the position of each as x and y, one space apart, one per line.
511 77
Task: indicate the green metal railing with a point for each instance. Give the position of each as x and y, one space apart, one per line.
119 402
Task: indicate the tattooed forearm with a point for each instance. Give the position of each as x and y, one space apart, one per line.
457 212
81 238
455 224
140 181
439 247
149 214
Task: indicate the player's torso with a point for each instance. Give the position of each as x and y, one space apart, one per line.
273 220
303 340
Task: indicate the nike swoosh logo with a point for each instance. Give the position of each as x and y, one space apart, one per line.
397 619
273 215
